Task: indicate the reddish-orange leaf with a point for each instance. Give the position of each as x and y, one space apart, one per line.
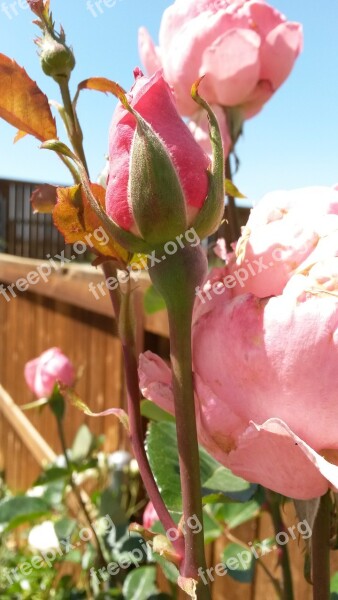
43 198
22 103
77 222
101 84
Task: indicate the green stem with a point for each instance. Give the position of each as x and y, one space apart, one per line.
176 278
321 550
275 511
73 126
120 302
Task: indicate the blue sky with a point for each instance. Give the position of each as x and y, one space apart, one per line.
292 143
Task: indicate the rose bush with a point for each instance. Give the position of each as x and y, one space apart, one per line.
265 365
42 373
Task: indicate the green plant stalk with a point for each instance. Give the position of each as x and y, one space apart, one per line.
176 279
273 501
321 550
122 311
73 126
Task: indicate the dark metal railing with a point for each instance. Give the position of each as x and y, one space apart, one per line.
22 232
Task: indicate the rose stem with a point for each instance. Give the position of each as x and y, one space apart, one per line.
134 398
176 279
273 501
321 550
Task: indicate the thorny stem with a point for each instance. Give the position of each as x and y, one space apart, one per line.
122 316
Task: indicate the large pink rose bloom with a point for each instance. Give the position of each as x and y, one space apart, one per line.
266 374
245 48
42 373
153 99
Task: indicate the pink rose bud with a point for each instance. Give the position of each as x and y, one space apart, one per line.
265 364
51 367
150 516
160 180
245 48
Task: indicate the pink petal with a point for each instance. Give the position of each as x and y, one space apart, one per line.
232 67
148 53
279 52
155 381
274 456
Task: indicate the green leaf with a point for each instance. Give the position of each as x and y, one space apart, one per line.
221 479
234 514
140 584
82 444
163 458
153 301
151 411
162 451
64 528
212 529
240 563
21 509
52 474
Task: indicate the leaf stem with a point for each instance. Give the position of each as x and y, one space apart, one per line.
321 550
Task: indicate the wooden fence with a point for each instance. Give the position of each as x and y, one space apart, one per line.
64 313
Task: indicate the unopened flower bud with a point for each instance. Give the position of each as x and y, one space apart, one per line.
57 59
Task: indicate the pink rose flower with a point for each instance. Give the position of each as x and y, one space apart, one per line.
245 48
42 373
153 99
265 365
150 516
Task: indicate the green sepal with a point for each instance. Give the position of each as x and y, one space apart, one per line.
210 216
156 193
127 240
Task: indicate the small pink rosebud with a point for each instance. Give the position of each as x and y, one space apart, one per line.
158 176
150 516
42 373
173 191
